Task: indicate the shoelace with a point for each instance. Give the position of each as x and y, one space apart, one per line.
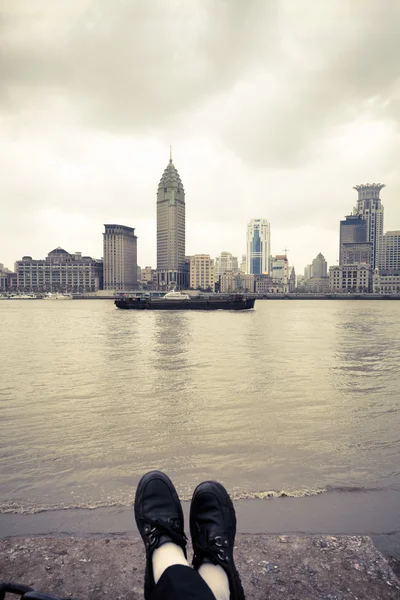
172 529
214 549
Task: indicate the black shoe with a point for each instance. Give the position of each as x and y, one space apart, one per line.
159 519
213 530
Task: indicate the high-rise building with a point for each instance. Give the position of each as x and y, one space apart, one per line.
369 207
258 247
120 257
225 263
280 271
201 271
390 256
307 272
171 266
354 242
319 266
60 271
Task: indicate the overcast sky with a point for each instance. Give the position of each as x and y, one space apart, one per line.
274 109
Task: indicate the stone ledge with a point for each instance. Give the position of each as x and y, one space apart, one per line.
271 567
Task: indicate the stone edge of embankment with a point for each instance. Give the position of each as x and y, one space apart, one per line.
274 567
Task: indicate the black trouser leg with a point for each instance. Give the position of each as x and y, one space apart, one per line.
181 583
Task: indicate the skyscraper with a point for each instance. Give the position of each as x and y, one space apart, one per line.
354 244
390 257
171 267
369 207
258 247
120 257
226 263
319 266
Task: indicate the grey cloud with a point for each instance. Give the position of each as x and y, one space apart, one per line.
357 62
131 65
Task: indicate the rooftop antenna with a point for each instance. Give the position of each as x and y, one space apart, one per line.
170 154
285 250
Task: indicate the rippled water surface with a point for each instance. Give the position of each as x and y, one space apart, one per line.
293 398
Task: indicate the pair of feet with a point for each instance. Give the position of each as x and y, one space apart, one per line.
159 518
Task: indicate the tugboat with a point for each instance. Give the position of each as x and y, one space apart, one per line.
178 301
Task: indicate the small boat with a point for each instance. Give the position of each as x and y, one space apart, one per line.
57 296
21 297
180 301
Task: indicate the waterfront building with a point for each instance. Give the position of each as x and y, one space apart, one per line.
225 263
8 279
280 270
258 241
390 257
264 284
236 282
350 278
385 282
60 271
138 273
149 277
317 285
201 272
319 266
120 257
171 230
369 208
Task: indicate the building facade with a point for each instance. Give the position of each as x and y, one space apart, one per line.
60 272
386 282
149 277
350 278
319 266
236 282
390 256
264 284
120 257
8 279
317 285
225 263
280 272
201 272
369 208
258 241
171 230
307 272
353 231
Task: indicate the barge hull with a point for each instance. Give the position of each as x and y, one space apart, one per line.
133 304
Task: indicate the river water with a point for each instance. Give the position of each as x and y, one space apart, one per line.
293 398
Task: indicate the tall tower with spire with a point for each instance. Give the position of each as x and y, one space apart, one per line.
369 207
171 267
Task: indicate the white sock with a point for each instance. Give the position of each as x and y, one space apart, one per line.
165 556
216 579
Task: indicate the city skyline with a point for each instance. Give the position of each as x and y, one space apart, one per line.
282 125
171 174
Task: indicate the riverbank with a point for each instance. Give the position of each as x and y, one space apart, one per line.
373 513
274 567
